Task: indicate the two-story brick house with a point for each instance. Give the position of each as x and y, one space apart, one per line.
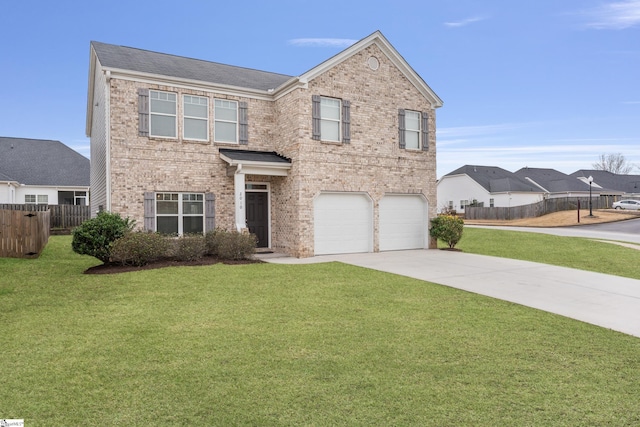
339 159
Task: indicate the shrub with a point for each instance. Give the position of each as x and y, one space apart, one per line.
447 228
233 245
212 240
94 236
139 248
190 247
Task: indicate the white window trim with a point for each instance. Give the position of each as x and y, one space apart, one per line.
151 114
185 116
236 122
418 131
325 119
180 213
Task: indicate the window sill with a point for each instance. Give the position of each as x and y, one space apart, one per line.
331 142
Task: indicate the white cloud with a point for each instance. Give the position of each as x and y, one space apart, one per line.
464 22
322 42
614 16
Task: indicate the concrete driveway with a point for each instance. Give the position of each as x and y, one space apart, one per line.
608 301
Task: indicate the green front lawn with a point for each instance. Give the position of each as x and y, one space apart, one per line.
267 345
574 252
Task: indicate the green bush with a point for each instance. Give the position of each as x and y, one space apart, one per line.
139 248
94 236
233 245
190 247
212 240
447 228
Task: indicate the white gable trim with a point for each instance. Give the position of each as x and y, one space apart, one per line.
379 40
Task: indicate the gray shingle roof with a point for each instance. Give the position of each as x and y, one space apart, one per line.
495 179
254 156
552 180
132 59
611 181
42 162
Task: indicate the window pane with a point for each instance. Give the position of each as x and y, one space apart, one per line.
329 130
412 139
163 125
225 132
43 199
192 208
167 224
412 120
192 224
195 129
163 106
167 208
226 110
330 108
30 198
194 108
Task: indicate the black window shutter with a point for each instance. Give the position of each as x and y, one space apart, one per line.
149 211
243 122
143 112
315 116
401 129
346 122
209 212
425 131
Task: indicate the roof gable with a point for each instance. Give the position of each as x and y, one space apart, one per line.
551 180
42 162
495 179
383 44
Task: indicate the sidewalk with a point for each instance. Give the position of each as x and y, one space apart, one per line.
600 299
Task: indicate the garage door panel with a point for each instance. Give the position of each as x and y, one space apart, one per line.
403 222
343 223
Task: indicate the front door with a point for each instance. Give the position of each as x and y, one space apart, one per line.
258 216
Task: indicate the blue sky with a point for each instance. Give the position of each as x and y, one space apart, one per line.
543 83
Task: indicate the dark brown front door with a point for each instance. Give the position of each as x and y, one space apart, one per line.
258 217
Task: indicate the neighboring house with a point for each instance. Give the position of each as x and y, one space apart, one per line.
556 184
37 171
608 183
487 186
339 159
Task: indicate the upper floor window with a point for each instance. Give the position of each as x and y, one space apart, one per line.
158 117
413 130
162 117
226 121
331 119
195 117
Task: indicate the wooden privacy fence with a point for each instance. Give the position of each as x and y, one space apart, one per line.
537 209
23 233
62 216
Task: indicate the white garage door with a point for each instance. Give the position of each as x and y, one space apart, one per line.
403 222
343 223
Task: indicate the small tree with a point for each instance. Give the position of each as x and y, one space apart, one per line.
447 228
94 236
614 163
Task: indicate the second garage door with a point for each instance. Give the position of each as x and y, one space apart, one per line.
403 222
343 223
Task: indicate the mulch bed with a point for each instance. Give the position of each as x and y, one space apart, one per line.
113 268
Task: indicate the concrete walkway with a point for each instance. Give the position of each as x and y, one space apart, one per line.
600 299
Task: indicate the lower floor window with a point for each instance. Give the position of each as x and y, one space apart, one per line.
40 199
179 213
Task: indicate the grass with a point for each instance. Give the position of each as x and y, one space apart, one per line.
315 345
573 252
